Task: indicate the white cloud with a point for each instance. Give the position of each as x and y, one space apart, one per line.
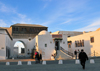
22 16
46 23
92 27
67 21
64 9
45 6
4 8
22 19
2 23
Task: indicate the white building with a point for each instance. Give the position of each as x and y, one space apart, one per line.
90 42
61 44
46 43
5 44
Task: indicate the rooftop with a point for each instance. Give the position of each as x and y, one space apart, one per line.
28 25
3 28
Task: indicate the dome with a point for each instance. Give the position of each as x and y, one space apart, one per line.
44 33
98 29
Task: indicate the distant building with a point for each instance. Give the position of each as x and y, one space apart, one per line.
22 50
68 33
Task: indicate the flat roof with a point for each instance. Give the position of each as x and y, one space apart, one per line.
28 25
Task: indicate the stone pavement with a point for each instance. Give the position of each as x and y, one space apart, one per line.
69 65
16 60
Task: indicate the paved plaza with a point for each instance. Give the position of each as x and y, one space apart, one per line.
68 65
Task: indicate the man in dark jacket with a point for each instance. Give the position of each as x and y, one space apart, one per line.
75 52
83 57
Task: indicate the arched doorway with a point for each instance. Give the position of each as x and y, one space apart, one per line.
19 49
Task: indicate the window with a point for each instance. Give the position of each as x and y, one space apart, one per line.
92 39
45 45
30 29
79 43
75 43
82 43
22 50
24 29
69 45
14 29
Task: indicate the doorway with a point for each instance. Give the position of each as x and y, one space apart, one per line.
57 45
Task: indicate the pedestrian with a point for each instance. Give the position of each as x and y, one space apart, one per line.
75 53
83 57
36 57
39 57
78 52
56 49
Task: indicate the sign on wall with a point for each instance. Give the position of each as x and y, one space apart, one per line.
57 36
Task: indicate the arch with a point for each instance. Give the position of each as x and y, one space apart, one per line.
19 48
22 42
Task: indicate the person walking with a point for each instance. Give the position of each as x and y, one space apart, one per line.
75 53
78 52
36 57
83 57
39 57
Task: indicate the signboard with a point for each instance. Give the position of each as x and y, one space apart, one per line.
57 36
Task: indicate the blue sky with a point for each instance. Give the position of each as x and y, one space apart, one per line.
57 15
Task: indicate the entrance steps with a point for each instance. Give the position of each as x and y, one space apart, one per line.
62 55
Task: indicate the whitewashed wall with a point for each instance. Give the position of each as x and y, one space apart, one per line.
28 45
49 50
2 45
8 45
63 43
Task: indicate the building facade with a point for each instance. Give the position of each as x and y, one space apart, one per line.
5 44
60 44
87 41
26 30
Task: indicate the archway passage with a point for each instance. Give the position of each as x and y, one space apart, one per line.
19 47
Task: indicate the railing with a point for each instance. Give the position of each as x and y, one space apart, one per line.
23 35
94 54
67 52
